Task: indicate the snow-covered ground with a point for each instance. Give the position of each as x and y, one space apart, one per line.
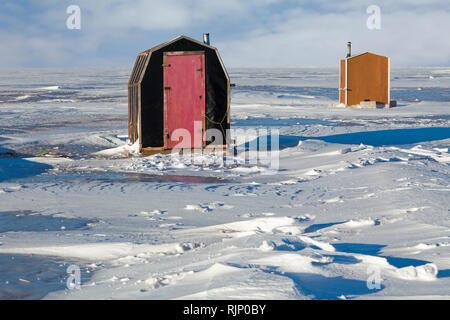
361 196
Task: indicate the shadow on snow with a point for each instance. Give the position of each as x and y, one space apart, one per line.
374 250
374 138
12 167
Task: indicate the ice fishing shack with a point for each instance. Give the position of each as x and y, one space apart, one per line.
365 80
178 88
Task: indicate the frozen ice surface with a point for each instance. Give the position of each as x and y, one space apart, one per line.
359 193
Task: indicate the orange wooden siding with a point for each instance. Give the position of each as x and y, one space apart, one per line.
368 79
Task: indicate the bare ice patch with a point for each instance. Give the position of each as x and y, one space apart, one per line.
33 221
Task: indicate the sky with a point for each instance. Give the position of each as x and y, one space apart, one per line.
248 33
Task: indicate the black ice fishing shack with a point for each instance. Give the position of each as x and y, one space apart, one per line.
180 84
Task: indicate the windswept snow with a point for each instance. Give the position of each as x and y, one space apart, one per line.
358 207
103 251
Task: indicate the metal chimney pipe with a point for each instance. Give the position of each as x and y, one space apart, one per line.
349 49
206 38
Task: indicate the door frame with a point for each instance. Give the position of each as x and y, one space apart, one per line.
166 90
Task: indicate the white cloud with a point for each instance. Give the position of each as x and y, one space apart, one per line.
306 38
248 33
164 15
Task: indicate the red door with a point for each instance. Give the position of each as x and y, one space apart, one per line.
184 99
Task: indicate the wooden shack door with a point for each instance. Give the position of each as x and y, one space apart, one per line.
184 99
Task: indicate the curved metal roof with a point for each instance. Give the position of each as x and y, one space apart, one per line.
139 70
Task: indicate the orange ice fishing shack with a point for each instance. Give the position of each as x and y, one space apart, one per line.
365 80
177 91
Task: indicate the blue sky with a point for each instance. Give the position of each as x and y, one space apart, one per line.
253 33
